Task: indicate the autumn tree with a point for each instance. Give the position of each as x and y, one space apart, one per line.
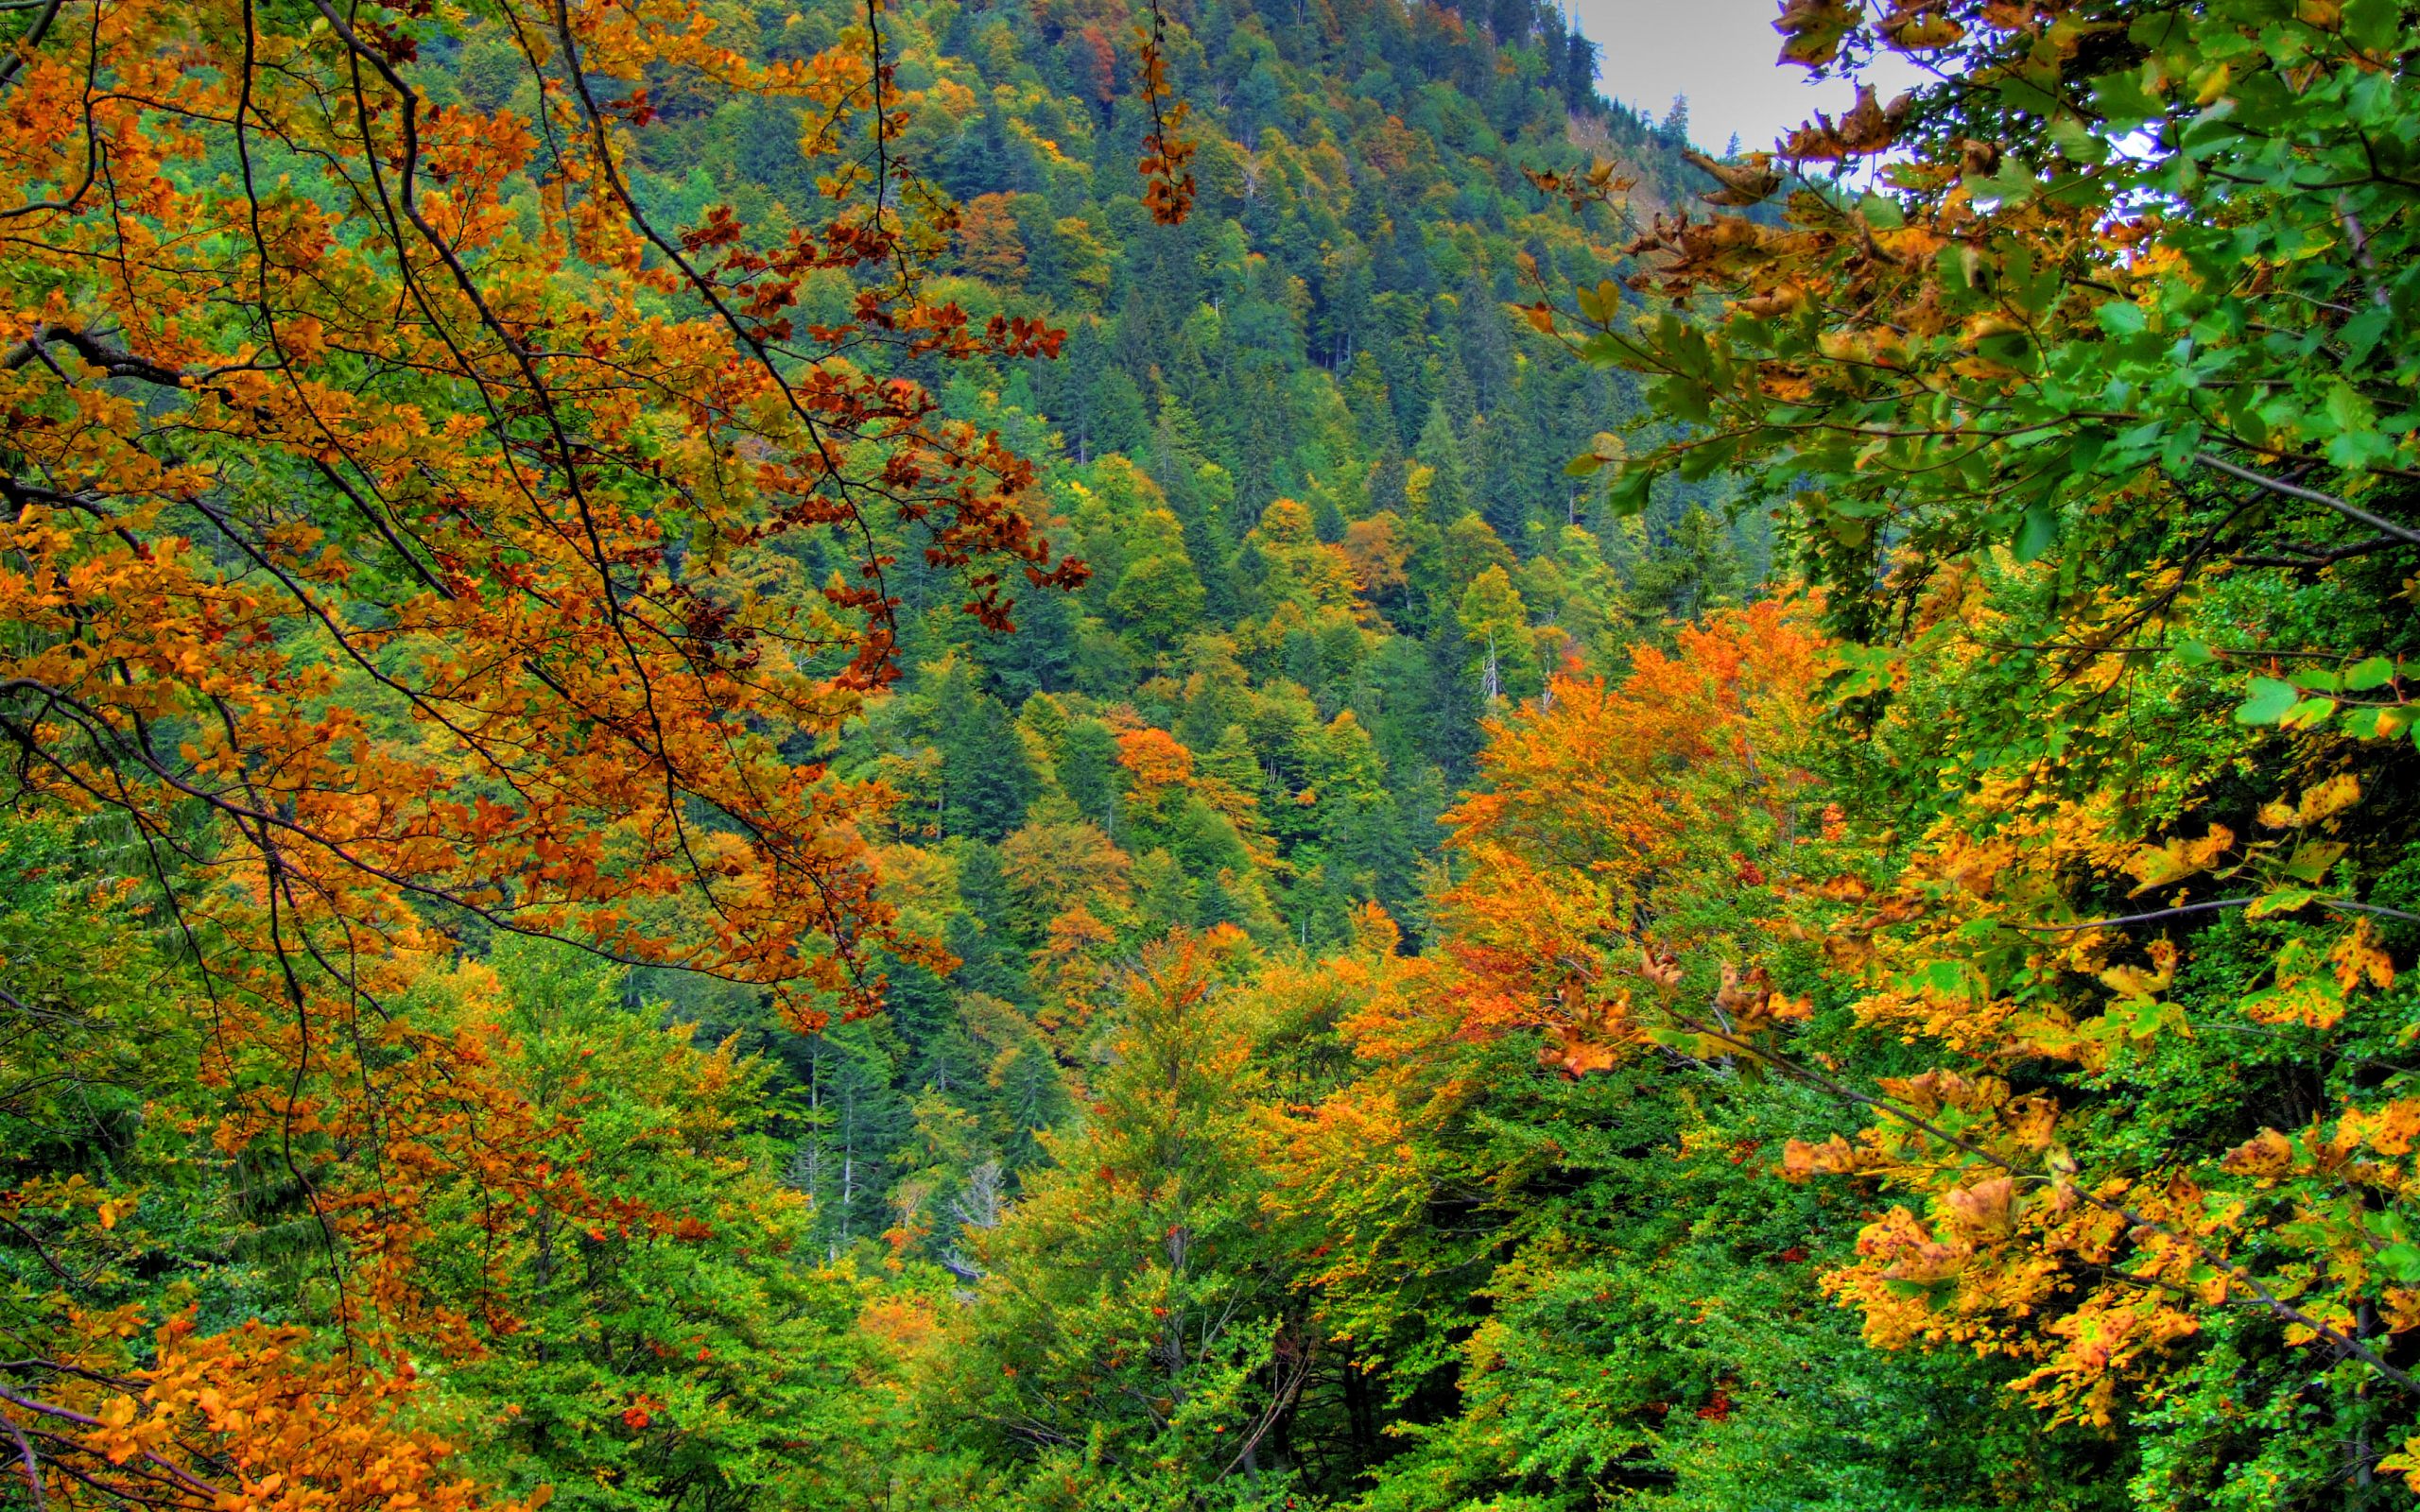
2078 380
989 245
401 530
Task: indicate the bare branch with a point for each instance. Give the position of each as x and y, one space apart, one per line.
2295 490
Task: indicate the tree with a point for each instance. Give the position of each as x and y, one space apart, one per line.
989 246
856 1121
2083 519
1497 626
1439 452
1088 771
1687 573
1160 597
1379 553
1134 1303
473 477
987 778
1675 125
385 570
673 1355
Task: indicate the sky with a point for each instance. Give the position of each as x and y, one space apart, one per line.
1720 53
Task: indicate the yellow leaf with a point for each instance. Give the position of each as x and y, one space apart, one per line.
2158 866
2327 799
2265 1155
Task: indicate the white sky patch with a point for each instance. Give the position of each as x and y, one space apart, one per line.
1719 53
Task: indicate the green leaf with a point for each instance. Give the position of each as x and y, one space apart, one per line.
1961 267
2084 453
2370 672
2022 93
2037 533
2401 1261
2077 140
1880 213
1684 398
2308 715
2122 317
2372 24
2349 411
2284 900
1627 496
2364 332
2121 98
2269 703
1865 670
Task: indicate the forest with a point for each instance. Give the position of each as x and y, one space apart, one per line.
1210 755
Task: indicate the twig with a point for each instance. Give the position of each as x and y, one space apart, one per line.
2295 490
2206 908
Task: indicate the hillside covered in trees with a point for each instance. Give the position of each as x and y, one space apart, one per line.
1053 756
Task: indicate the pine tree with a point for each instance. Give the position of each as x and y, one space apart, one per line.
1686 573
1439 454
1088 771
855 1122
986 777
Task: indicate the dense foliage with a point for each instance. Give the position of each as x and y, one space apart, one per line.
1052 756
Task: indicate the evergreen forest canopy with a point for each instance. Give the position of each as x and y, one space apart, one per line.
1066 757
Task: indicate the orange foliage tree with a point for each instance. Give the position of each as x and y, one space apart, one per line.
2021 393
1640 850
1620 826
396 562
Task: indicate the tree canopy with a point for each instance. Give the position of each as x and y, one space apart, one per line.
1213 755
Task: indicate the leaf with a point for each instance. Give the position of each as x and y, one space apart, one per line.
2037 533
2078 141
2369 673
2270 701
2284 900
2311 860
1630 494
2120 318
2308 715
2177 859
2372 24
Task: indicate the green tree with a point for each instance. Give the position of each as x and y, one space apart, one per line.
659 1362
987 779
1496 624
1129 1337
1439 452
1160 598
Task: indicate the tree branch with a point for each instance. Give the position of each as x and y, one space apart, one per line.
2295 490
